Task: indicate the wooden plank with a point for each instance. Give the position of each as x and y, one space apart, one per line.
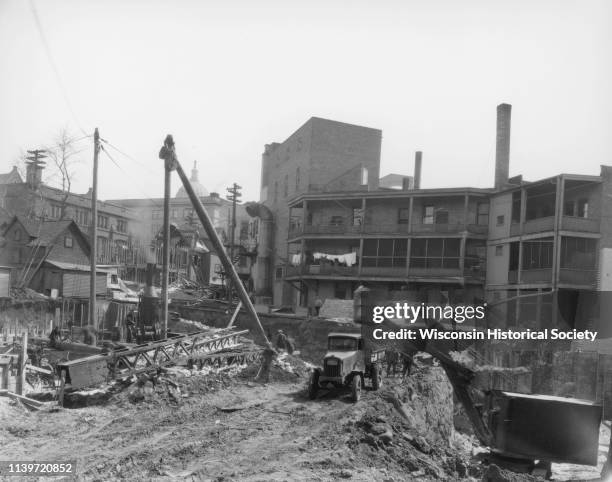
26 400
34 368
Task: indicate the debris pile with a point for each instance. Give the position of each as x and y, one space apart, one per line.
409 427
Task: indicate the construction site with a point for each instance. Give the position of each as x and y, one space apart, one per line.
188 387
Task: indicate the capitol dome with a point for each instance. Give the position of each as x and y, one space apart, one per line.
199 190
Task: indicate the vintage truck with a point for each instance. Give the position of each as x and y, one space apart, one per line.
347 363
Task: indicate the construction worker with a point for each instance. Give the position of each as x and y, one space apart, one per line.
392 358
283 342
407 362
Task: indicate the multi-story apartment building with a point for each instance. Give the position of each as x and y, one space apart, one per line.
551 239
428 243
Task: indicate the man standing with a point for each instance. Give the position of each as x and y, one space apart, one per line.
407 362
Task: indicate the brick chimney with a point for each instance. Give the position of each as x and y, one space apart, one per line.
502 145
418 161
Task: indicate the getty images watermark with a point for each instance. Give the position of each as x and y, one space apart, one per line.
457 314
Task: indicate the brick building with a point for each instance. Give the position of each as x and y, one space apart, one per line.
551 238
321 156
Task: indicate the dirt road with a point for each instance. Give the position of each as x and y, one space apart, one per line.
228 429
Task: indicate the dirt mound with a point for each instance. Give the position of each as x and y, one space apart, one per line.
425 400
408 427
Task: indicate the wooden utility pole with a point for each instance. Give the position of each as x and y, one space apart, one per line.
234 195
94 232
166 248
167 153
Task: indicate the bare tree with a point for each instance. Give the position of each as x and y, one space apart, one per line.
62 155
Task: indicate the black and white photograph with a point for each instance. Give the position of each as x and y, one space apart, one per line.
267 240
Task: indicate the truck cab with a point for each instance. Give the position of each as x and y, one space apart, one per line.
347 363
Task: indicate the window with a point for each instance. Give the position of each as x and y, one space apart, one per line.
174 213
568 208
384 253
82 217
442 216
336 221
513 261
578 253
102 221
340 291
501 220
102 243
428 215
516 207
244 229
357 216
297 179
17 235
275 191
286 185
278 273
499 250
121 225
56 211
403 215
67 242
537 254
435 253
583 208
482 214
364 176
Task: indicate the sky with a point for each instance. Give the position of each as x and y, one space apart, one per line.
227 77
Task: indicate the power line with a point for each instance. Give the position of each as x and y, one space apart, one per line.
58 78
124 172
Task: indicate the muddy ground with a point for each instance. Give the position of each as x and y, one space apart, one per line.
186 425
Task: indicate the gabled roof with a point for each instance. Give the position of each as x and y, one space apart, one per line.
12 177
44 233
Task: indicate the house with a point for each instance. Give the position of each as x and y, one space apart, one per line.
41 253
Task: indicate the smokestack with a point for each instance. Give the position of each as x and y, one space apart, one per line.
502 145
418 159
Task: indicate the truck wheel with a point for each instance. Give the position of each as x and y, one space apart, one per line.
356 387
313 384
376 377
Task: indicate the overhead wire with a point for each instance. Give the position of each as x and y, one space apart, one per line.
112 159
54 67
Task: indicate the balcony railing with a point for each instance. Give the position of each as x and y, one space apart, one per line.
326 270
568 223
572 223
386 228
539 225
435 272
391 272
577 276
543 275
